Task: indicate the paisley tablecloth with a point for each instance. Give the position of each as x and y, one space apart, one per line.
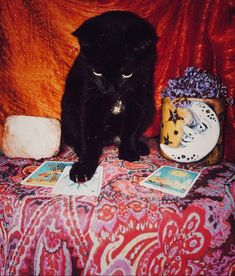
127 230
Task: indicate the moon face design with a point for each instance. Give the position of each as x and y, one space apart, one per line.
200 135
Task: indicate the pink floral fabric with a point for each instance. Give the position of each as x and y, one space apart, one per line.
127 230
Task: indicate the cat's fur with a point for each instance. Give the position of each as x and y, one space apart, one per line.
120 46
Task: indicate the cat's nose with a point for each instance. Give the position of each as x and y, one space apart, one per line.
111 90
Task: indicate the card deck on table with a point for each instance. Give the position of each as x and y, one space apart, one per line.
46 174
171 180
91 187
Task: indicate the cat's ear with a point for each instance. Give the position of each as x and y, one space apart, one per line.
85 33
146 40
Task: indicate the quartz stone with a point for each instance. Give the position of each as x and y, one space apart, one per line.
31 137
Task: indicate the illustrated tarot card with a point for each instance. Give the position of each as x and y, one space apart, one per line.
46 174
171 180
66 186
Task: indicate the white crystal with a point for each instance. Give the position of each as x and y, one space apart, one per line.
31 137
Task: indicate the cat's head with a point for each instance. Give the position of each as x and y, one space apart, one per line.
118 48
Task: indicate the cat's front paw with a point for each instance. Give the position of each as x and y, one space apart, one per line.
128 155
81 172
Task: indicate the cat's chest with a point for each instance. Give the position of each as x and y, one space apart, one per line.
115 117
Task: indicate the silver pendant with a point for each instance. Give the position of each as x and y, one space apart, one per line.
118 107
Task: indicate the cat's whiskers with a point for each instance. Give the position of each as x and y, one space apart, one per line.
92 93
92 97
135 101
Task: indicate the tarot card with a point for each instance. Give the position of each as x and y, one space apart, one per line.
91 187
46 174
171 180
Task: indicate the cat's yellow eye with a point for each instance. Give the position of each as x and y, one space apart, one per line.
97 74
126 76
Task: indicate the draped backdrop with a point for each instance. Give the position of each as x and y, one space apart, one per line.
37 49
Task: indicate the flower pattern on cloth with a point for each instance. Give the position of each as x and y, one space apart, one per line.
127 230
181 238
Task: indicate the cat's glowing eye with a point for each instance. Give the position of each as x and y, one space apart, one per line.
126 76
97 74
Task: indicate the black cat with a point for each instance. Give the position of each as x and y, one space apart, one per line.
109 89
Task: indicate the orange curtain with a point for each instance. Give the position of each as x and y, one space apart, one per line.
37 49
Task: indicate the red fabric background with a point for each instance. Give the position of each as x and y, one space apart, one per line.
36 49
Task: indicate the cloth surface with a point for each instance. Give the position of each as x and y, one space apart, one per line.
37 49
127 230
